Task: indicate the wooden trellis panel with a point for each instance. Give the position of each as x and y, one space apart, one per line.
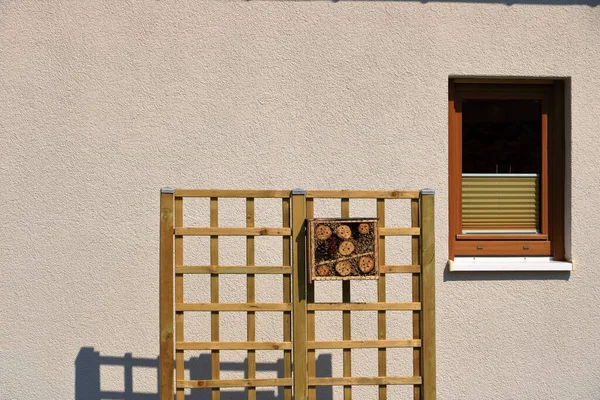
422 305
250 307
298 296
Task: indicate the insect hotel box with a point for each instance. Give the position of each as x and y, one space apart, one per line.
343 249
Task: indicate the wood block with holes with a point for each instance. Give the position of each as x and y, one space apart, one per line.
343 248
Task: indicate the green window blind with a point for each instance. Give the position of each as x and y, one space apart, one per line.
500 203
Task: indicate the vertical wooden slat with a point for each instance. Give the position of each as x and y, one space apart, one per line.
299 292
454 165
287 298
557 188
544 178
416 295
427 257
310 319
166 294
250 297
346 316
179 332
214 295
381 297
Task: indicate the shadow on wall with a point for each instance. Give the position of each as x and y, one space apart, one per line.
88 385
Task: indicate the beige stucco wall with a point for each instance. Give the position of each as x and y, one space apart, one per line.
103 103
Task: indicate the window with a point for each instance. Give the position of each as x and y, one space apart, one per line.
506 168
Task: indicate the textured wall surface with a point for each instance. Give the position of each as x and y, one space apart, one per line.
103 103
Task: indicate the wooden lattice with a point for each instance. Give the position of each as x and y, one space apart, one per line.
298 296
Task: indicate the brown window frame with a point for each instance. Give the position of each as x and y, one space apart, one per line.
550 240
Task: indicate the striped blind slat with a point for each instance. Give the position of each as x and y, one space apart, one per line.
500 203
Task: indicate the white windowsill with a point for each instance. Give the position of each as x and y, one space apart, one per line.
508 264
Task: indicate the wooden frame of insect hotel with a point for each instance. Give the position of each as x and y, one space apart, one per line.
343 249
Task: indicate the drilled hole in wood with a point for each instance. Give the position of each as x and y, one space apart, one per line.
343 248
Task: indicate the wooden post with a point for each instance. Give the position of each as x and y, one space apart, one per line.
427 256
179 334
310 317
300 381
416 295
166 293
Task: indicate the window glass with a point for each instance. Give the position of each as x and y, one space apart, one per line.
501 166
501 136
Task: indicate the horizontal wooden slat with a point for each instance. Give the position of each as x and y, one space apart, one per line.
233 345
399 231
363 344
232 193
191 269
363 194
389 269
233 231
387 380
233 307
222 383
363 306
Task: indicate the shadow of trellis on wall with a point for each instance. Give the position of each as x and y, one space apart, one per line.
88 385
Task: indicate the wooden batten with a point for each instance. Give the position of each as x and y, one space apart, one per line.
427 289
384 380
310 316
232 193
362 194
179 317
216 345
222 269
215 359
416 295
396 269
363 344
215 231
166 383
381 306
239 307
381 299
299 281
223 383
346 315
